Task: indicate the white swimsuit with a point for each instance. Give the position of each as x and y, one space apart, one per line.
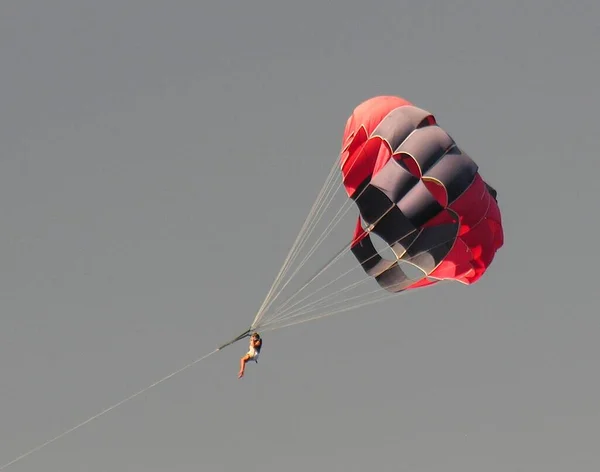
253 353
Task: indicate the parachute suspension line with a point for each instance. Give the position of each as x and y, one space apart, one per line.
311 222
382 297
322 204
305 231
307 308
299 239
276 323
271 297
303 309
282 312
343 251
346 249
332 261
311 251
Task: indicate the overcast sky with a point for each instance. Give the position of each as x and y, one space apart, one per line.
158 160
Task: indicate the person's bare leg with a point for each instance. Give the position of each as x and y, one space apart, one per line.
243 361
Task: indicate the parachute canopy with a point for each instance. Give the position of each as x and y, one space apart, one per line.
417 191
422 194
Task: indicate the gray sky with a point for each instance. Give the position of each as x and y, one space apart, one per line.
158 159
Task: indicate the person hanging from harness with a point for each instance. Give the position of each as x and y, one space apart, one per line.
252 354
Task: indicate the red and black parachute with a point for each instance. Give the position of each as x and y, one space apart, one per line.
416 190
419 192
